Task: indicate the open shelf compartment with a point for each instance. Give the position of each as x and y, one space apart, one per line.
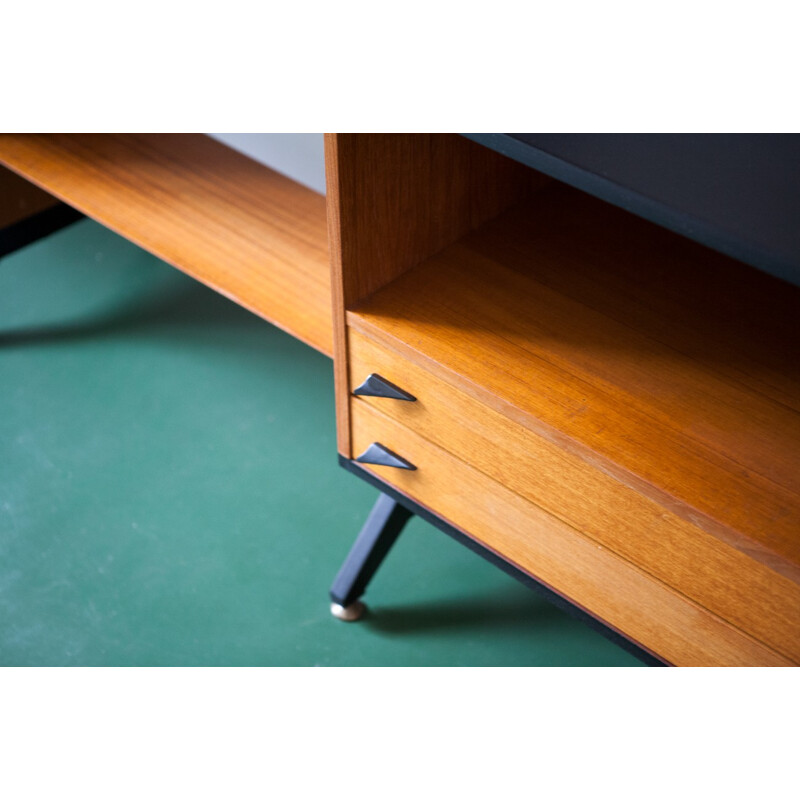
667 366
246 231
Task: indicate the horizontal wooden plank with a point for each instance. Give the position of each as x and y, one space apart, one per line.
606 585
665 409
717 576
246 231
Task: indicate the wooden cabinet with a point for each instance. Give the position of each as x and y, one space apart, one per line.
605 405
593 403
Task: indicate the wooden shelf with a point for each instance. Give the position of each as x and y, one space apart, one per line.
670 368
246 231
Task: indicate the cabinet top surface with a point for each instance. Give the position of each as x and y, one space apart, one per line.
736 193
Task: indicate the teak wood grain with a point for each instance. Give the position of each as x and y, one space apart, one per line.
730 318
646 610
394 200
246 231
619 390
717 576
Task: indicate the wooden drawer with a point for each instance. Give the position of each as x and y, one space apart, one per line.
606 585
608 515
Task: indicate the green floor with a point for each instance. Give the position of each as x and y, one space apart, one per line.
169 491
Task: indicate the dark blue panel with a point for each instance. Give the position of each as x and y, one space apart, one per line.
736 193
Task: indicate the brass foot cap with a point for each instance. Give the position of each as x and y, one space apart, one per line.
348 613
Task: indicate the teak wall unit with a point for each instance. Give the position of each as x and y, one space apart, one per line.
587 403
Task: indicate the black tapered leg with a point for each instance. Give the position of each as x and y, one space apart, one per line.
384 524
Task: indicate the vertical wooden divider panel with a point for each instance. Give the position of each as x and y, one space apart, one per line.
393 201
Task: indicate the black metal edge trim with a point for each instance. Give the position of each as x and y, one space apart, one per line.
630 200
37 226
558 600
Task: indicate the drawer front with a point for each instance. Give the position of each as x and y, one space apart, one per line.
539 543
743 591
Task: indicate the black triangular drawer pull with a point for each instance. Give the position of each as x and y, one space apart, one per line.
377 454
376 386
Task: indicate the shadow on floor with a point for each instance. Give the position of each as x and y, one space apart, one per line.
182 303
508 609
